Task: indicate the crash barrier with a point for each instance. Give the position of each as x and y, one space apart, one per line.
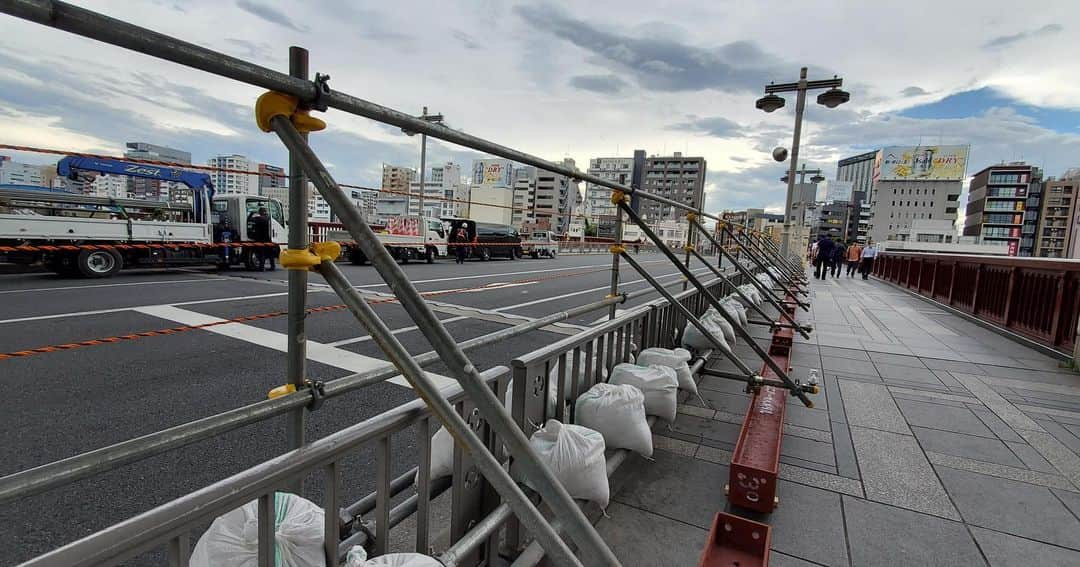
1036 298
285 110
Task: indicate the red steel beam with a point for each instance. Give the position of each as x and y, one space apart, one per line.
737 541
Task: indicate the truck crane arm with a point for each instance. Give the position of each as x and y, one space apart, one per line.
199 183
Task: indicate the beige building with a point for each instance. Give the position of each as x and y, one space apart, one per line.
1056 229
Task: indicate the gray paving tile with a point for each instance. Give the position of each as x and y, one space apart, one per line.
1005 550
936 352
807 450
870 405
633 535
1064 460
1031 458
832 391
848 366
958 366
795 461
987 449
838 352
895 471
882 535
1071 500
959 420
926 398
947 378
888 348
1000 428
938 396
1062 433
1012 507
702 427
678 487
823 480
812 418
844 450
777 559
807 518
897 360
907 374
677 446
1008 413
713 455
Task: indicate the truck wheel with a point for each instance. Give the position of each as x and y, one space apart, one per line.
431 254
406 255
485 254
62 265
251 263
356 257
516 253
99 263
535 255
553 253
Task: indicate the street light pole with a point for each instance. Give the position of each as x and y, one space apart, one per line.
771 102
423 165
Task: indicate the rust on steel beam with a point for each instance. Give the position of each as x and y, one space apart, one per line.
736 541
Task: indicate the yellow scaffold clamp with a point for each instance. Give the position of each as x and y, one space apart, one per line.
281 391
273 103
691 217
618 197
688 248
309 258
617 249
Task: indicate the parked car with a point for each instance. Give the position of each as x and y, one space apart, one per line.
485 240
541 243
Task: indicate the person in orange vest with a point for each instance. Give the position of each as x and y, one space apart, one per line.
854 256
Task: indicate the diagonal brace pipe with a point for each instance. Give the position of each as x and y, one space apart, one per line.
753 255
765 291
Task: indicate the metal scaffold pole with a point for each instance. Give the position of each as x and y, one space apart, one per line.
296 356
765 290
460 367
753 255
615 262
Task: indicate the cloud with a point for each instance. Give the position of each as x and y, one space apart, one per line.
1003 41
660 64
251 49
465 39
270 14
716 126
914 91
604 84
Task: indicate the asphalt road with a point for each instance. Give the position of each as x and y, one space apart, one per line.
60 404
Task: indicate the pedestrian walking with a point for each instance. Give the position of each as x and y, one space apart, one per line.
824 253
868 255
261 231
854 256
461 251
837 259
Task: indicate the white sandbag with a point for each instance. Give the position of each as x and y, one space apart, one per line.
736 307
775 272
552 395
617 411
677 359
575 455
751 293
659 384
553 374
233 539
718 320
399 560
442 456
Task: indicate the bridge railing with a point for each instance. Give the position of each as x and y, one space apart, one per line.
1036 298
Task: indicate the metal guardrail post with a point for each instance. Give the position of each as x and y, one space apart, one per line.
459 365
296 355
715 303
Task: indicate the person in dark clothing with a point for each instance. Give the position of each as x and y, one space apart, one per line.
261 232
824 256
838 259
461 251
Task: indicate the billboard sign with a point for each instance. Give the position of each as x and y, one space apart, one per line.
493 172
919 163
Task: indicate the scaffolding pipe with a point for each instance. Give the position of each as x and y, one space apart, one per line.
757 262
459 366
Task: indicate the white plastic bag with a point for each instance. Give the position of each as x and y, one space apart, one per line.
751 293
233 539
736 308
618 413
658 383
400 560
676 359
575 455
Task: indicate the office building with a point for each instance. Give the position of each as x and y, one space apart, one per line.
153 189
859 170
235 175
997 207
15 173
552 200
940 236
524 191
1055 228
838 190
597 202
444 192
676 177
915 183
394 192
271 177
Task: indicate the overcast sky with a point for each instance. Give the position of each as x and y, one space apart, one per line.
580 80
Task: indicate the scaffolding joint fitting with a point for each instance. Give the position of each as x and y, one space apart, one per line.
691 217
618 197
298 259
688 248
617 249
322 90
318 393
282 390
272 104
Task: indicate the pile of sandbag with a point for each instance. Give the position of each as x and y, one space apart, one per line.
735 308
233 538
695 339
616 411
751 293
659 384
357 557
678 359
575 455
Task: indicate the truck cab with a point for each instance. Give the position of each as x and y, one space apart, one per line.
234 212
541 243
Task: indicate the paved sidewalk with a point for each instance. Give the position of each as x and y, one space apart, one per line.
935 442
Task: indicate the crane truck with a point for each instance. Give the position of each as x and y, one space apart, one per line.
75 234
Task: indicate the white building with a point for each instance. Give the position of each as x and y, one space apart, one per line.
112 186
15 173
524 196
444 192
941 236
597 202
234 181
838 190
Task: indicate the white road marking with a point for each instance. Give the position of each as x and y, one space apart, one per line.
572 294
137 307
74 287
316 351
366 338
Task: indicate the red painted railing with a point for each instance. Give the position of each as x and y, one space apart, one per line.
1034 297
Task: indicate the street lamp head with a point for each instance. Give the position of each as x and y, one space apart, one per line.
833 97
770 103
779 153
817 179
784 179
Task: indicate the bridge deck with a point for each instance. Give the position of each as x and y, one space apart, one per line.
935 442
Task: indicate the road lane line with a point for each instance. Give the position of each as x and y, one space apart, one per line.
572 294
316 351
137 307
366 338
40 289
